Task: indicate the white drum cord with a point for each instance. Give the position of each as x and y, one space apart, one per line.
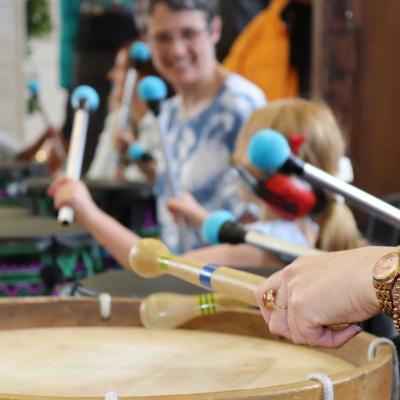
326 383
105 305
111 396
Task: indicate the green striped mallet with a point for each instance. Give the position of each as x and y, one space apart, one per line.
171 310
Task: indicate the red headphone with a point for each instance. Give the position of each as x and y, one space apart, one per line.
288 196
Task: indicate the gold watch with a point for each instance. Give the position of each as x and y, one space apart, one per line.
386 280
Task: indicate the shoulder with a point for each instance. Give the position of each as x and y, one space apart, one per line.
239 88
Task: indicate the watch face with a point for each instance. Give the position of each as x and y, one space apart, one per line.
385 266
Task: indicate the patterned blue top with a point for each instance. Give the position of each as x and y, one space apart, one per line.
200 148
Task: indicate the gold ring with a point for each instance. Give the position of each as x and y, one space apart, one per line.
269 300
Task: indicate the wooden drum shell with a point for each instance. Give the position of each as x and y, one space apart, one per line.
368 380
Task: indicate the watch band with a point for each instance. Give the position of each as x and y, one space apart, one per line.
384 297
388 294
396 305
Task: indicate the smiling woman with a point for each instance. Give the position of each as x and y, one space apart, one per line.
210 106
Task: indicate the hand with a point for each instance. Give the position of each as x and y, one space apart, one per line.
187 206
69 192
323 290
122 140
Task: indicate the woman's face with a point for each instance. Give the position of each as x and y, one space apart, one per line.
182 45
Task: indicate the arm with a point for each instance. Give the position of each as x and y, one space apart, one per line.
186 205
106 230
321 290
241 255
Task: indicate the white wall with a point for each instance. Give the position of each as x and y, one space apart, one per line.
20 60
12 33
42 62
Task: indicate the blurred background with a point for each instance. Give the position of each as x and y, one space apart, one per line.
353 65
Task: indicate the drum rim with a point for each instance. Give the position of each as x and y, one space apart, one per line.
360 373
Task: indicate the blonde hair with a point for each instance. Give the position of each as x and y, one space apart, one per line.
323 147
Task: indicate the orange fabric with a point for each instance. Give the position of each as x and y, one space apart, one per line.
262 54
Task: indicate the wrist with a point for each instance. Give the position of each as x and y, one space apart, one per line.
89 214
386 282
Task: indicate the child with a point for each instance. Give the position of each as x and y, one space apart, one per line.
331 229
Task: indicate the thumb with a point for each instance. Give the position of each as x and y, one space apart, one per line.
336 338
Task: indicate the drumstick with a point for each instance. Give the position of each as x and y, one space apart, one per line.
152 90
83 99
139 53
170 310
221 227
150 258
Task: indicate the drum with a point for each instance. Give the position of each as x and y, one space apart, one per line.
61 348
37 253
131 203
126 283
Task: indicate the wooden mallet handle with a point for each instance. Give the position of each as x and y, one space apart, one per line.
150 258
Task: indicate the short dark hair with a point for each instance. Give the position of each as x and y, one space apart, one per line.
209 7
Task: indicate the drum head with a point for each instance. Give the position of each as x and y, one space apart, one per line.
134 361
63 348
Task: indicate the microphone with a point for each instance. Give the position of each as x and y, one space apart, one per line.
153 90
268 150
136 152
84 99
139 54
221 227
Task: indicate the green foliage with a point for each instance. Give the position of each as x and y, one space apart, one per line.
32 105
38 18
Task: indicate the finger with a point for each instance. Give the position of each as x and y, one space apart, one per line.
60 194
326 337
293 319
55 185
171 205
278 323
273 282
